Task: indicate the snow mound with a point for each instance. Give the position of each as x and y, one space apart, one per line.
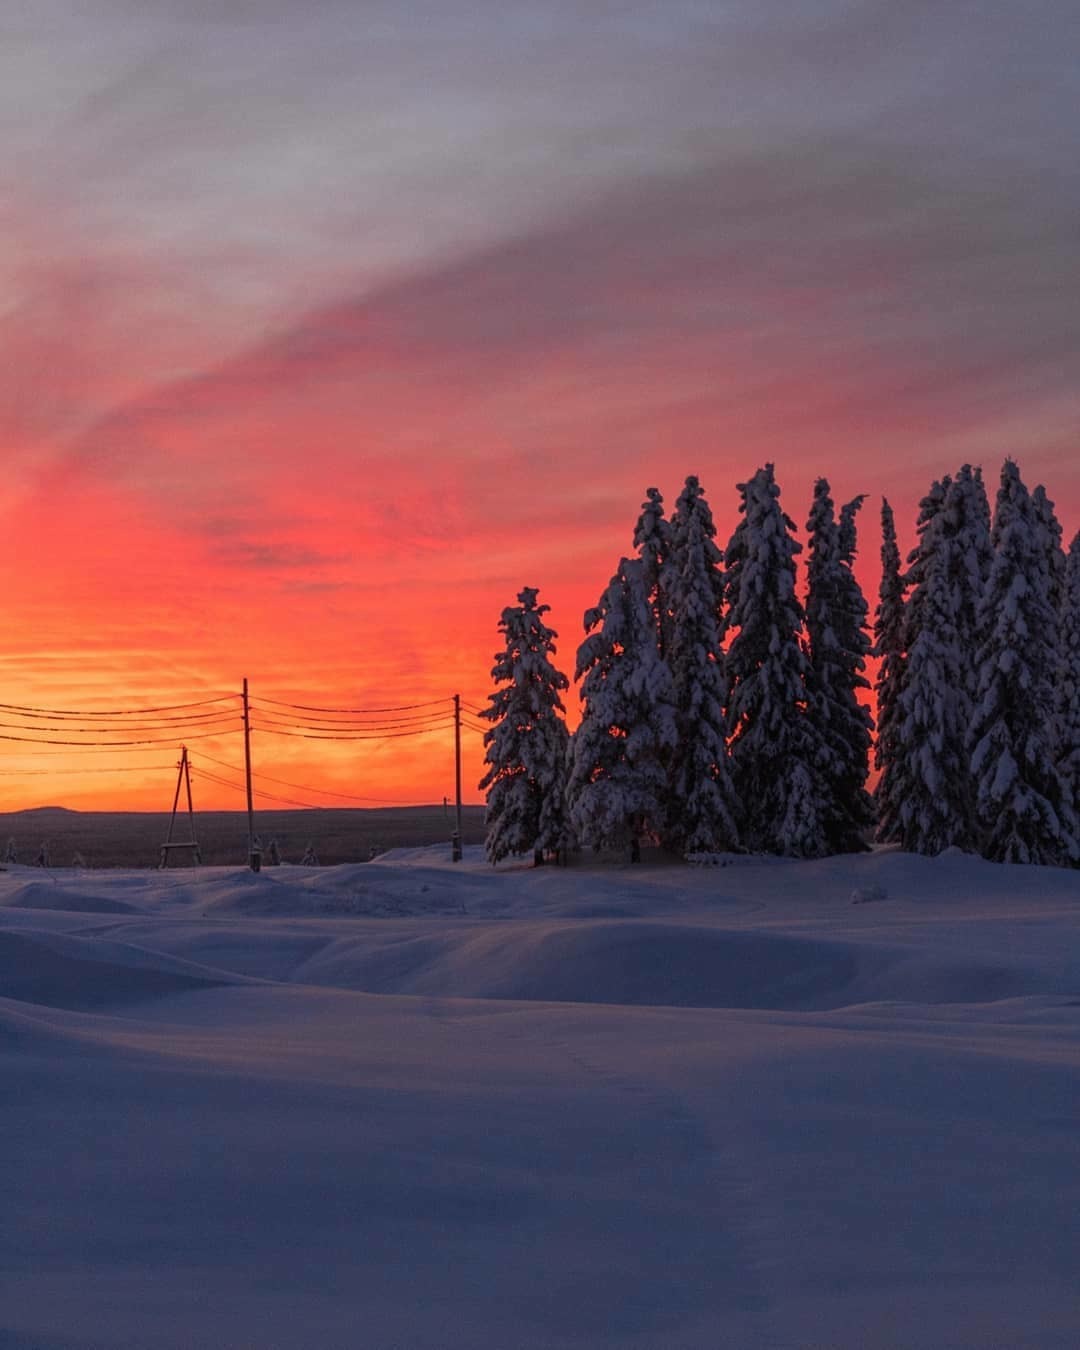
353 890
44 895
654 964
865 895
61 971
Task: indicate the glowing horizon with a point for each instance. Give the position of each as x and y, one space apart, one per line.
325 333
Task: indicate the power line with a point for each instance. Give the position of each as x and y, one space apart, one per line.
414 719
401 707
109 745
116 768
344 727
219 720
123 712
389 736
68 727
309 787
95 750
270 796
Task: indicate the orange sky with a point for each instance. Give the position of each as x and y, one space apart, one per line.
321 343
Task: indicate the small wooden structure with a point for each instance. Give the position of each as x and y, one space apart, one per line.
183 778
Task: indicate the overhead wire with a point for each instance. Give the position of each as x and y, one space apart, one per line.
116 768
221 722
315 736
111 745
41 724
121 712
309 787
335 719
417 723
97 732
256 792
313 708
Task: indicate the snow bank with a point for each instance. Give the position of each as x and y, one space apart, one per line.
448 1107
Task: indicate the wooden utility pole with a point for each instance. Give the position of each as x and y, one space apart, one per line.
455 852
183 776
254 857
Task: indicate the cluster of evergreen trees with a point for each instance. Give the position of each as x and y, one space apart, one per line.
721 713
979 685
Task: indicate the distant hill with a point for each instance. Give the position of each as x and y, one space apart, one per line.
134 838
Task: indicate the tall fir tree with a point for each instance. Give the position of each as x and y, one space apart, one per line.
652 539
703 811
526 748
918 559
889 648
1049 532
930 783
837 644
1024 804
1053 561
776 756
966 537
618 779
1068 678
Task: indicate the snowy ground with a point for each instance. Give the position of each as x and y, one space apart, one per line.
412 1106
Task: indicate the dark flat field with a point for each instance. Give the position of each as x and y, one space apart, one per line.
134 839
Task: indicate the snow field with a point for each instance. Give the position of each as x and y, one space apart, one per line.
410 1105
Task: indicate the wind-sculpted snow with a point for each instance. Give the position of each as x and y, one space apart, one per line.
42 895
74 972
412 1104
660 964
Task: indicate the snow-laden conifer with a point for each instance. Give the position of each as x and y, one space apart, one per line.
775 752
889 627
918 560
1024 805
930 784
1049 533
618 780
966 537
703 813
1068 677
526 746
1053 561
837 644
652 539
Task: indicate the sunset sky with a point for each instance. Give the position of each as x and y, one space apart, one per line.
328 326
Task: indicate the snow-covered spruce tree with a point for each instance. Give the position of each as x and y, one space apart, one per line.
702 811
1024 805
526 745
776 755
1048 529
889 624
966 537
652 539
837 644
1053 559
1068 678
618 780
930 783
918 559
